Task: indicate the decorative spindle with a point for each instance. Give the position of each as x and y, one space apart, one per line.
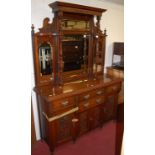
105 32
32 29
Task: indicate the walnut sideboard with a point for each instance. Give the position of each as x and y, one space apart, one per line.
77 107
73 95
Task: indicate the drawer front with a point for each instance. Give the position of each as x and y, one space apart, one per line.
113 88
63 103
99 92
86 96
99 100
84 105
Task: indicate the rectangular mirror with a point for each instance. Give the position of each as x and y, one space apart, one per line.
75 52
75 25
98 54
45 59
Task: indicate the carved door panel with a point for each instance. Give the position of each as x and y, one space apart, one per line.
110 107
64 128
83 122
95 117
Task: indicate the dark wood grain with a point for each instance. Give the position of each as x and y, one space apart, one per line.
73 101
33 133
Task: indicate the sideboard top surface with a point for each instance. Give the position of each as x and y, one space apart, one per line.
75 87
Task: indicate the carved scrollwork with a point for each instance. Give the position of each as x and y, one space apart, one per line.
47 27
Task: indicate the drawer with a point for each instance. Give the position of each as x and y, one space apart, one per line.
113 88
84 105
99 92
99 100
86 96
63 103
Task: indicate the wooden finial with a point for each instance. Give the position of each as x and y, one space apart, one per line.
46 22
32 29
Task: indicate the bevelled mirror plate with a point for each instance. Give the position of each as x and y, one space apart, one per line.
45 59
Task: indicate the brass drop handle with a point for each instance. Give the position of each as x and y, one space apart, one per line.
64 103
74 120
99 92
76 47
51 78
86 97
98 100
86 104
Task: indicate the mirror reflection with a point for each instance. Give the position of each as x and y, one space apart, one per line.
75 25
45 59
75 52
98 48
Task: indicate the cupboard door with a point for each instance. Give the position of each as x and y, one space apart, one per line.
90 119
64 128
95 117
110 107
83 122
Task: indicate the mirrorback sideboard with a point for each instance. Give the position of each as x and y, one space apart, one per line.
73 93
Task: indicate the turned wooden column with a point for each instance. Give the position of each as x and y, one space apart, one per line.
75 126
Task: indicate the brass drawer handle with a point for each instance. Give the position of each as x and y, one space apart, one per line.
86 96
64 103
114 88
99 92
98 100
86 104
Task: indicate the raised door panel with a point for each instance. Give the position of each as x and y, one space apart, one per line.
95 117
64 129
83 122
110 107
